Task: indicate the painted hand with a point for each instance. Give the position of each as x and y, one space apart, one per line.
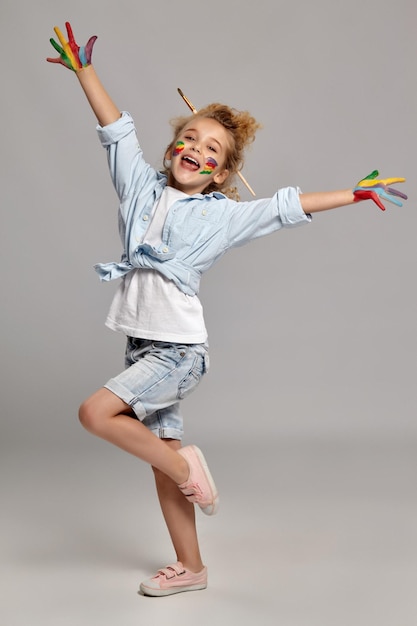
71 55
372 188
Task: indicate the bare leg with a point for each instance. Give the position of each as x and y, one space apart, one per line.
104 414
179 515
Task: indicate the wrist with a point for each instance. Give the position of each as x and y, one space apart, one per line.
86 73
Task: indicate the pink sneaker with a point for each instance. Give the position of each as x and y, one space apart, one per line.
200 487
174 579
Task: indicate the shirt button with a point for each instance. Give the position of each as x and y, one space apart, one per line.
204 212
165 249
145 218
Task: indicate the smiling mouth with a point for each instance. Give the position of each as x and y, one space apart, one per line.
190 163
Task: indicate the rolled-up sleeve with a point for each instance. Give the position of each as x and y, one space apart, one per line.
124 154
112 133
289 207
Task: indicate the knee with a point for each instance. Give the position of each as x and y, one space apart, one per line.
89 417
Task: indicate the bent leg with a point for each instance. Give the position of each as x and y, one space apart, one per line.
104 414
179 515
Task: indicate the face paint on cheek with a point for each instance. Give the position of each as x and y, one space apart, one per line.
179 147
210 166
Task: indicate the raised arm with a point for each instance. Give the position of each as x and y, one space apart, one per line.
78 60
369 188
103 106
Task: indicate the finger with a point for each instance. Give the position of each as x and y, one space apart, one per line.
67 49
82 56
370 176
381 182
366 194
60 37
376 199
380 185
71 38
75 49
391 181
85 52
89 47
382 193
392 200
71 57
62 61
395 192
56 46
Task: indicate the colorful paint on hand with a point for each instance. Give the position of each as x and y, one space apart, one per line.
210 166
372 188
71 55
179 147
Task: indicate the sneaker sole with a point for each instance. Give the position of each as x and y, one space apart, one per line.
148 591
212 508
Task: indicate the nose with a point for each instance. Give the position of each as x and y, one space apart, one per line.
196 148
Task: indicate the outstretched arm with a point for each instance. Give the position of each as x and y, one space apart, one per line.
326 200
369 188
78 59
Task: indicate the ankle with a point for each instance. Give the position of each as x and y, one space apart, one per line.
193 566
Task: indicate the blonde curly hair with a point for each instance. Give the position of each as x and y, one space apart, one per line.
241 127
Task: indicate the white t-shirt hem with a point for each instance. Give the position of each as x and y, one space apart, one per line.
157 336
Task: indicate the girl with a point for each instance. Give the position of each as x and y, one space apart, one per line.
174 225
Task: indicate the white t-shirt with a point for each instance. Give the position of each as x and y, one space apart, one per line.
148 305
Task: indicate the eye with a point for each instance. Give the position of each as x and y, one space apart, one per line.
212 148
189 137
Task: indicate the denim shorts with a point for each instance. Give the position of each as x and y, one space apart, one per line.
157 377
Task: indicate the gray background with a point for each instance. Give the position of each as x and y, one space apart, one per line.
308 413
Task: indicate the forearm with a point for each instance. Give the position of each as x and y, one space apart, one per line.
324 201
103 106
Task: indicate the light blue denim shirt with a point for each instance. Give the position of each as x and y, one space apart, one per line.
198 229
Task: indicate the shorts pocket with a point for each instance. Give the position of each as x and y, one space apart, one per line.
193 377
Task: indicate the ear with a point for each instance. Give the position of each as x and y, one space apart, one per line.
220 177
168 153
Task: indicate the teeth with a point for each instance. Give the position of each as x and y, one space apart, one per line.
190 160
